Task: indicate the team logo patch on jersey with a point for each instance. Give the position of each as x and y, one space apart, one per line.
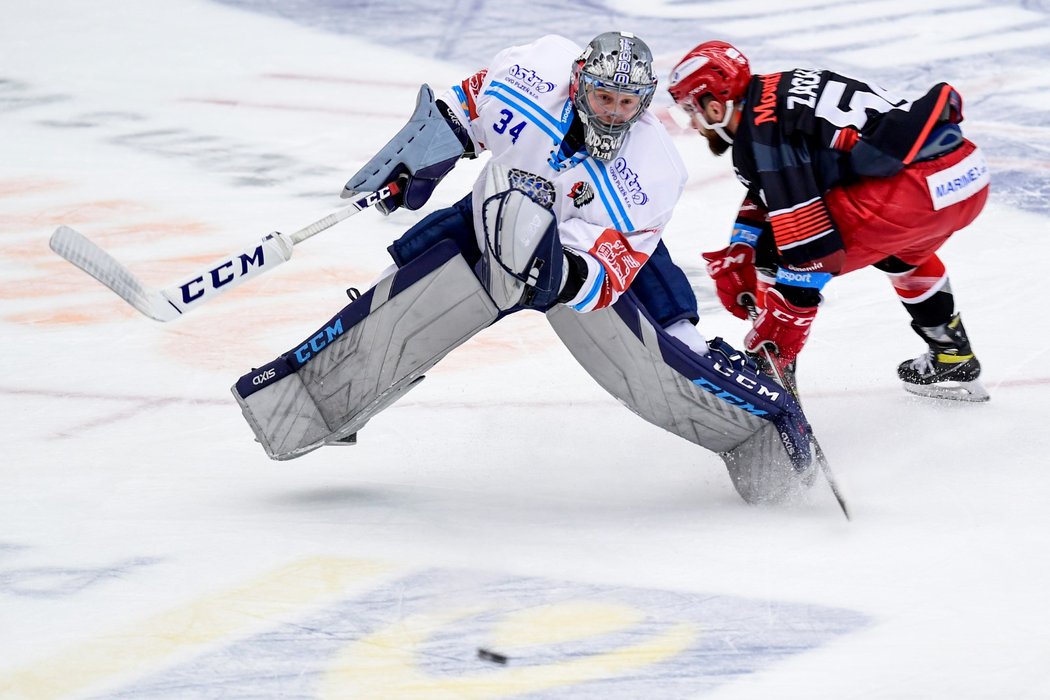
581 194
959 182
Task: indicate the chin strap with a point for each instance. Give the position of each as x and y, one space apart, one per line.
720 128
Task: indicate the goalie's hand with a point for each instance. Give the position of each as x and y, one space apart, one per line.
781 327
733 271
414 189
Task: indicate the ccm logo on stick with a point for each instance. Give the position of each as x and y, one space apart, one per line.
222 274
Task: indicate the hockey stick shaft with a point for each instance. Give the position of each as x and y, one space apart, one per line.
196 289
818 451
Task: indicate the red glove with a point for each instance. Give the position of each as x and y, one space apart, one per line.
782 327
733 270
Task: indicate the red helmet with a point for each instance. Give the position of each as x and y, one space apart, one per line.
712 68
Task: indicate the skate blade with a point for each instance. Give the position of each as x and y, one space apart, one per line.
950 391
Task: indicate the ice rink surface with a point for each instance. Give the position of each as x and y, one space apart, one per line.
149 549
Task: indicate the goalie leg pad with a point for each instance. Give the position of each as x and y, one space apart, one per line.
760 469
714 400
366 357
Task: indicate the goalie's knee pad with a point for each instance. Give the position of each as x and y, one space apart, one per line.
367 356
719 401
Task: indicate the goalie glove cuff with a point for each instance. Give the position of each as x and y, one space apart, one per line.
469 151
575 274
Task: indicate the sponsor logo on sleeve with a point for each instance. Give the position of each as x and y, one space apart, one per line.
742 233
800 278
471 88
619 260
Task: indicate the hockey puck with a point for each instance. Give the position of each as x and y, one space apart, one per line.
486 655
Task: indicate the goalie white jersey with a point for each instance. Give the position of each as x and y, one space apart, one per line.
611 213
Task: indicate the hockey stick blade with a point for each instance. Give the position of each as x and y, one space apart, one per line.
222 275
80 251
818 451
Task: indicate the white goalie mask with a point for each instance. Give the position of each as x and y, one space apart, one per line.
612 85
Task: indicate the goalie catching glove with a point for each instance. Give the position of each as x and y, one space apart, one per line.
417 158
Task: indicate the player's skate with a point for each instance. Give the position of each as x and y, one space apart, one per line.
948 369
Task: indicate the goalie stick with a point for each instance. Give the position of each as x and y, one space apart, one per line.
788 382
226 273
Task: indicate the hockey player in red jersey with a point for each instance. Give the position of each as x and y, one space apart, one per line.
840 175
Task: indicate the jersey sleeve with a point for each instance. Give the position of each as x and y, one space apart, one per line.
612 258
462 102
631 201
752 222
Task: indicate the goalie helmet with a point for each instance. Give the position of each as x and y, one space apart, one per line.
612 85
713 68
